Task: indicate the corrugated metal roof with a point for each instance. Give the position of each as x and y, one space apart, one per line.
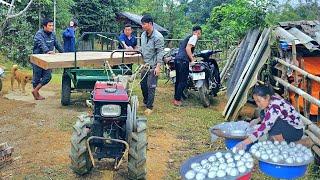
306 33
137 19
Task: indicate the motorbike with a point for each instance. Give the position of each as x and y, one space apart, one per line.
170 70
1 77
204 76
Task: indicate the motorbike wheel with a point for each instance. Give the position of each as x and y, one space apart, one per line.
204 94
0 84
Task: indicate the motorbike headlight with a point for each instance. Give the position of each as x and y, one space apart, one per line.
110 110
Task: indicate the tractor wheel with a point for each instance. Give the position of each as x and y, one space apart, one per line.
0 84
137 168
65 89
134 109
204 94
79 155
129 123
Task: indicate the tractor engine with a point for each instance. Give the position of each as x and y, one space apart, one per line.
110 101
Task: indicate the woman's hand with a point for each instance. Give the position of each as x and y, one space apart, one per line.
243 144
254 122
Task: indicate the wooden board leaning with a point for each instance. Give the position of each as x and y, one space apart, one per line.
84 59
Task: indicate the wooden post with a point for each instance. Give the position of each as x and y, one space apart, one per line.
304 81
309 90
318 120
296 82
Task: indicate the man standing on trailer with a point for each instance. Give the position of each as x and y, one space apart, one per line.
152 48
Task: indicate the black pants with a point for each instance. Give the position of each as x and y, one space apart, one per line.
148 87
282 127
40 76
182 73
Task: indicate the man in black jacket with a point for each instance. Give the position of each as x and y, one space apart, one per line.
182 60
44 42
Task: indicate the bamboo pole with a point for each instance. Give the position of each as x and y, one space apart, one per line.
310 125
316 149
304 73
298 91
314 138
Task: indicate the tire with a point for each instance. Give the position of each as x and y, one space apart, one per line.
79 155
137 159
65 90
0 84
204 95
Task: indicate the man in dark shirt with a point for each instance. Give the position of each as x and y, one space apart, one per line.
69 37
128 41
44 42
182 60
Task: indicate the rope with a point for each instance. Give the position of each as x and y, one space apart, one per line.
134 76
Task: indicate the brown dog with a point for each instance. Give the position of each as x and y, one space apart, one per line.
22 78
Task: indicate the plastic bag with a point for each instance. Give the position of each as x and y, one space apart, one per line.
236 129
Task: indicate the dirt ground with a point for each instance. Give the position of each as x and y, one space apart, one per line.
40 133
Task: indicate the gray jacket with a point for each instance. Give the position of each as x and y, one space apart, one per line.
152 47
44 42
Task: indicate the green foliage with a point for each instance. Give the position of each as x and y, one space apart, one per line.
306 11
17 41
230 22
166 13
200 10
97 15
17 46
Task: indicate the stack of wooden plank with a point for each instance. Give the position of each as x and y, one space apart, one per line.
254 52
5 154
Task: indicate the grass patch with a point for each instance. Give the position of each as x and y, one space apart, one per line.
66 123
56 79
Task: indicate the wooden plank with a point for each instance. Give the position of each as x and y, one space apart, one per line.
242 63
233 89
239 58
259 47
84 59
248 83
